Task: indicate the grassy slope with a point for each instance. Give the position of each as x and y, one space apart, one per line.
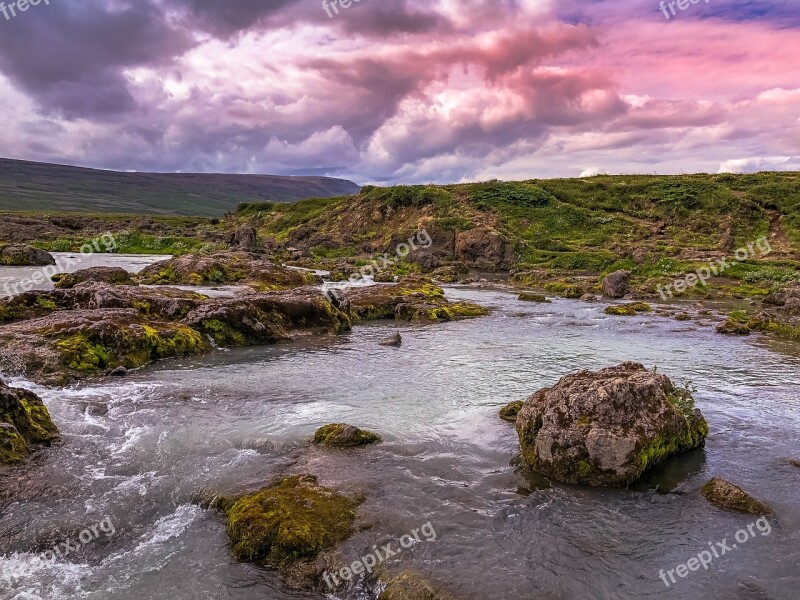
48 187
576 225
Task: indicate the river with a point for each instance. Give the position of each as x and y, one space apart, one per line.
137 451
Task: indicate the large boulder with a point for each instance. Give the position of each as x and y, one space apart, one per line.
605 428
245 238
20 255
24 422
617 284
227 268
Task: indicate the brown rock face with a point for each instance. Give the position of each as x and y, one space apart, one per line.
484 248
605 428
245 238
617 284
110 275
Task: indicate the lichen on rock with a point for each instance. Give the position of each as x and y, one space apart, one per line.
24 422
606 428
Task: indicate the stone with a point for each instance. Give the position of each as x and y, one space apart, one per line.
617 284
724 494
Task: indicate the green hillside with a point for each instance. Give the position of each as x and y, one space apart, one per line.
30 186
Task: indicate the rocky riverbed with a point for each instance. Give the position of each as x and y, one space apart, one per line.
182 452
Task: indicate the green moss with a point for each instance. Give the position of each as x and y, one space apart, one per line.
409 586
46 303
531 297
223 334
454 312
13 448
80 354
585 468
510 411
633 308
340 434
292 519
565 290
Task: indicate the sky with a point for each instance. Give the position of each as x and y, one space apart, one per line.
403 91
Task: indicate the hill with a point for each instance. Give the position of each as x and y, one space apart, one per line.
44 187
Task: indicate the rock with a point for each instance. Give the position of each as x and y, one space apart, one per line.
683 317
227 268
395 340
118 372
640 255
630 309
384 277
450 274
409 586
20 255
410 299
510 411
531 297
68 345
109 275
484 249
794 463
24 422
342 435
245 238
733 327
617 284
589 298
269 318
605 428
723 494
292 520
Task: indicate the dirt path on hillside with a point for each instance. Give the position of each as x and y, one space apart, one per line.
780 243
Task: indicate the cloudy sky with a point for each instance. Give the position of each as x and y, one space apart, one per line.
408 91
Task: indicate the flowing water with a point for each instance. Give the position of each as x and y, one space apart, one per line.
136 451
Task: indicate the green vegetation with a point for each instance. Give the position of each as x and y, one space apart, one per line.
342 435
628 310
291 520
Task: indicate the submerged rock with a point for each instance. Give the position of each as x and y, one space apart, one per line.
109 275
343 435
20 255
24 422
409 586
510 411
227 268
605 428
630 309
292 520
395 340
794 463
531 297
617 284
723 494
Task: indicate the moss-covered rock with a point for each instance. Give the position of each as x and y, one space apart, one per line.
606 428
24 422
630 309
227 268
733 327
20 255
109 275
531 297
291 520
409 585
411 299
342 435
67 345
724 494
510 411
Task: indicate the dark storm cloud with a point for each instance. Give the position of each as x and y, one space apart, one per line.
69 56
223 18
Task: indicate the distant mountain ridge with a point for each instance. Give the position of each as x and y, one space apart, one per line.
33 186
